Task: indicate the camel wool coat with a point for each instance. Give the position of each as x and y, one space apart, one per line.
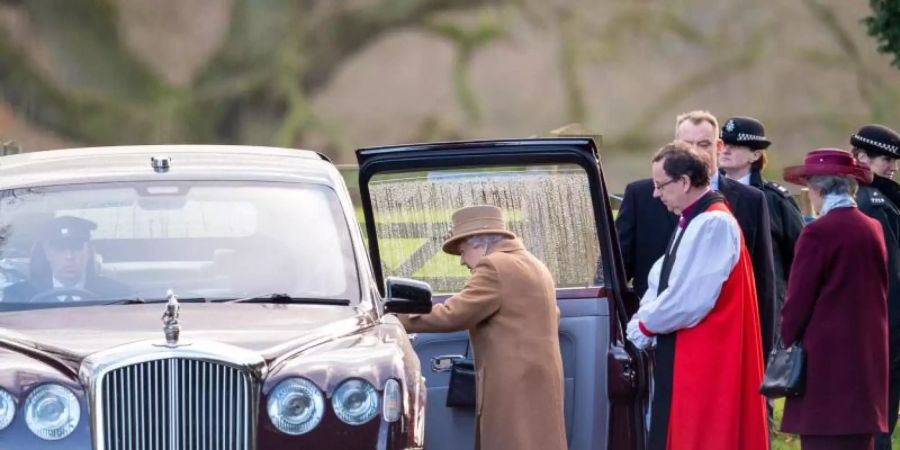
509 308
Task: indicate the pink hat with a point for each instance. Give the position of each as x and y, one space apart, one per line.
827 161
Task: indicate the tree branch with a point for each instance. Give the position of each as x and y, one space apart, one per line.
345 32
717 70
867 83
44 104
87 52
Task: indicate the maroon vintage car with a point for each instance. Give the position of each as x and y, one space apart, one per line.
196 297
212 297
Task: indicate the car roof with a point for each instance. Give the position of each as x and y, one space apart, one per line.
186 162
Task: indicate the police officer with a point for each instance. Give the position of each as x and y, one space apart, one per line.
879 147
742 159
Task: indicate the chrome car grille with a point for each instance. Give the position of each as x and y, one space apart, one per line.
176 404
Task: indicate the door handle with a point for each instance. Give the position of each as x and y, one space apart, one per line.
444 363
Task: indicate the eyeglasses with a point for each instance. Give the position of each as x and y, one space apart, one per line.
659 187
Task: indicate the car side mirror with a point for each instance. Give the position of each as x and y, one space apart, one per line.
405 296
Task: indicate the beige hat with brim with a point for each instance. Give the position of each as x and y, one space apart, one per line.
475 220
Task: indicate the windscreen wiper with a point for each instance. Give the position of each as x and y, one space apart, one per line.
127 301
279 297
139 300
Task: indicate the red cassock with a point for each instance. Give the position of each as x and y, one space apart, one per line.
716 371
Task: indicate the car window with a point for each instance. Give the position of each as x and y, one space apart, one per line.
200 239
548 206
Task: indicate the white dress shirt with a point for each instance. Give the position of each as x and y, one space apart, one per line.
58 285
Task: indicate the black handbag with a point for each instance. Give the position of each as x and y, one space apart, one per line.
461 391
786 372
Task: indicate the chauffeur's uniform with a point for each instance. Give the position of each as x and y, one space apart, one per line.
41 283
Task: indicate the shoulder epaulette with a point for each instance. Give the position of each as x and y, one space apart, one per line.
876 199
773 186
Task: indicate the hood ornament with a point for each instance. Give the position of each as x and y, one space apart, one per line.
170 320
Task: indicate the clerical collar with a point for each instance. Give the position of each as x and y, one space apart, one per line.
686 212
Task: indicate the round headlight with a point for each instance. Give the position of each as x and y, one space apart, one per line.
52 412
296 406
7 409
355 402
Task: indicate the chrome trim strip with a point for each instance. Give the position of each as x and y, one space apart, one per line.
178 362
444 363
173 406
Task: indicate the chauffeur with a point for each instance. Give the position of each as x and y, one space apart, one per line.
742 159
61 267
878 147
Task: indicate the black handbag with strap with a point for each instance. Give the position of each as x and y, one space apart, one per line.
461 391
786 372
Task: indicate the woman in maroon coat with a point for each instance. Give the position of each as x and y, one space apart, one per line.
836 306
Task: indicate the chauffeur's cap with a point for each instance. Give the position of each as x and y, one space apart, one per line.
68 230
474 220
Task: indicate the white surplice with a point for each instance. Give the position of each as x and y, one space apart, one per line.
708 252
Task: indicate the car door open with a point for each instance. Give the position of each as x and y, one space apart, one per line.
554 198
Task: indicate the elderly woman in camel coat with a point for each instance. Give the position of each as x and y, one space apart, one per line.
509 308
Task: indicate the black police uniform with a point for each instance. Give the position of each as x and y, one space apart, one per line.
881 201
785 218
786 224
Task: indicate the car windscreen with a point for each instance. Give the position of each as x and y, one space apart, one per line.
210 240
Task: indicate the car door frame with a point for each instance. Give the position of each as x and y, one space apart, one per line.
627 372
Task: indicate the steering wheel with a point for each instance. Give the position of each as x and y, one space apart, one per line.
74 292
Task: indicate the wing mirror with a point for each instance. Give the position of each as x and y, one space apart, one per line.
406 296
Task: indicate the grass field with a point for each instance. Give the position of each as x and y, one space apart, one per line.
784 441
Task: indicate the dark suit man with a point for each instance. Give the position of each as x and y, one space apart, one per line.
62 269
645 225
